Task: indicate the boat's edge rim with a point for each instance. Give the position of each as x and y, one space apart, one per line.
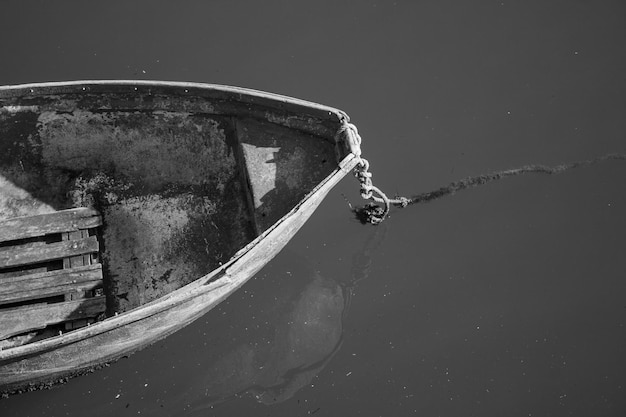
194 289
244 91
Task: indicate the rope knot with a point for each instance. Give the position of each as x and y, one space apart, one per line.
401 201
371 212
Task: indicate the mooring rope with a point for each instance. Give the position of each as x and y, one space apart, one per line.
371 213
375 214
486 178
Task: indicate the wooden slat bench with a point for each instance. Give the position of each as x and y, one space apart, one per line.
50 272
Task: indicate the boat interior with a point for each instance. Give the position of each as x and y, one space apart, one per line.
111 198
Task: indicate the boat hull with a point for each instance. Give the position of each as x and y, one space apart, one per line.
46 362
46 367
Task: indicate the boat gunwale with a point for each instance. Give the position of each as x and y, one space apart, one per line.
241 94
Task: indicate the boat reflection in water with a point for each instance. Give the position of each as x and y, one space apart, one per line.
307 332
291 339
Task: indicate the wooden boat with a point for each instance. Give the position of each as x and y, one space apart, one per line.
128 209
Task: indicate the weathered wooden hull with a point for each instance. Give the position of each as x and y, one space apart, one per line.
49 360
43 364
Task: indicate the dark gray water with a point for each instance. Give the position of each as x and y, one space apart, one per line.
506 299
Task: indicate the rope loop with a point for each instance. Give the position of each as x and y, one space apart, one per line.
372 212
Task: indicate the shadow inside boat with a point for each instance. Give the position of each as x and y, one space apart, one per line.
179 194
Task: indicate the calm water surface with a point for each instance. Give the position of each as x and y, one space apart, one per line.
506 299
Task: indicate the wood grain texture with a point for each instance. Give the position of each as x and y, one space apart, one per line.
46 284
44 224
20 255
38 316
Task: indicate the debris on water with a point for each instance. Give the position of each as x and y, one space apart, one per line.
368 213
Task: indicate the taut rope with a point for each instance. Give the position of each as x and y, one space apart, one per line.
526 169
375 214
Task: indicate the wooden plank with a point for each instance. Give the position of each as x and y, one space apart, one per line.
18 320
30 269
19 255
43 224
77 324
15 273
79 260
47 284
